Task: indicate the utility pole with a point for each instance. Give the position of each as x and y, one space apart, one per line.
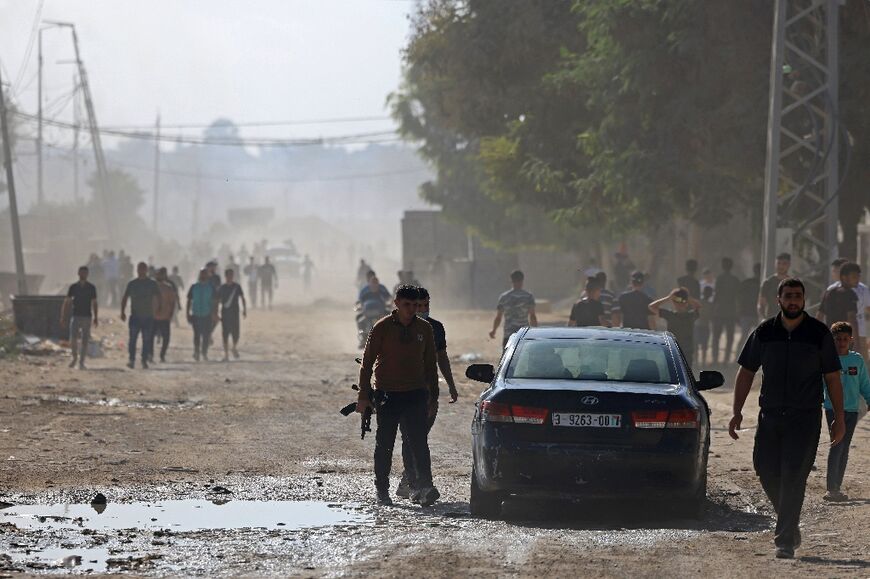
156 174
803 136
195 225
99 157
39 189
75 147
13 201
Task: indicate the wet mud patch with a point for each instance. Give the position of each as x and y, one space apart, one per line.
114 402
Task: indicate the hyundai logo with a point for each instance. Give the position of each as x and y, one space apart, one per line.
589 400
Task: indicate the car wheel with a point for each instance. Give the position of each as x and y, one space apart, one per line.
695 505
484 504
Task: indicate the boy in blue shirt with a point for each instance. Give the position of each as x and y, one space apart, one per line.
856 385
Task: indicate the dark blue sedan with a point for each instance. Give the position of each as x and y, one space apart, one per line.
588 413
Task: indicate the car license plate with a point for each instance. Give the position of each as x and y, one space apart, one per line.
584 420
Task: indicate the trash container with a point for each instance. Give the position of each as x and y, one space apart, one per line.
39 316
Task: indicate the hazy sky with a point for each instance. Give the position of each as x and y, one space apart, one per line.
194 60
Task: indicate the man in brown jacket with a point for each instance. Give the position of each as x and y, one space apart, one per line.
400 351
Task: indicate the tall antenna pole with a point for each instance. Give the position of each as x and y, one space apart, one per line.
803 136
13 201
102 172
156 175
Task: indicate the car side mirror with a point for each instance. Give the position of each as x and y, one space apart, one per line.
710 379
480 372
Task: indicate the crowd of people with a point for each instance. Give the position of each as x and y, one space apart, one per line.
154 296
700 310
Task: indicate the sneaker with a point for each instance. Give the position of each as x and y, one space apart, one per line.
784 553
403 491
73 363
131 364
225 358
162 359
144 365
835 496
205 357
384 498
425 496
196 356
235 354
82 366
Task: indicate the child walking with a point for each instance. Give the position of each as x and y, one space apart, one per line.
856 384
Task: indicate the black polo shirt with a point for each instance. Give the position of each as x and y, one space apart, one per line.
793 363
439 333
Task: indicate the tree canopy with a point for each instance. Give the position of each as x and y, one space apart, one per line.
615 115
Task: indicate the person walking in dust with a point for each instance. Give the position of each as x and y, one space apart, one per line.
251 271
144 296
229 295
516 306
82 296
202 313
268 279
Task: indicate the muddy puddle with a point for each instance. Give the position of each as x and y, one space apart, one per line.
49 529
183 515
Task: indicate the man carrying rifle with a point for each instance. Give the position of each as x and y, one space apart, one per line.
400 352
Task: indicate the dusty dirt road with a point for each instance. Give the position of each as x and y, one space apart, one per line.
267 428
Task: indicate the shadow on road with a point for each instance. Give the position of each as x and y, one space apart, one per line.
612 515
857 563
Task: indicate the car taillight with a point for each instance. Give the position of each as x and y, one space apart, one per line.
683 418
529 415
650 418
496 412
499 412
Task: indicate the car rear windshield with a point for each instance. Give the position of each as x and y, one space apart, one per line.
593 359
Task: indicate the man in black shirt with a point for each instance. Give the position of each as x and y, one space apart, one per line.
409 480
634 305
747 301
795 352
589 311
229 295
681 320
690 281
840 304
82 295
725 310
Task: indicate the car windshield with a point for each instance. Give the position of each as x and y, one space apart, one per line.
593 359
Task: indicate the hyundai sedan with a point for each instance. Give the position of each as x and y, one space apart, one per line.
589 413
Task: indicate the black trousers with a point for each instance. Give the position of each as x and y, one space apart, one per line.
785 449
409 472
408 409
838 456
728 325
161 328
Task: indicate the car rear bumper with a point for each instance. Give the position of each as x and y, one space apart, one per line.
560 470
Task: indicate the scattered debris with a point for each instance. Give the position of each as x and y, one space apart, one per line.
470 357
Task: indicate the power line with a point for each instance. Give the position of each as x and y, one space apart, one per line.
359 138
66 153
325 121
29 51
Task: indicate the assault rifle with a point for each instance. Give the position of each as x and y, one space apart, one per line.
366 419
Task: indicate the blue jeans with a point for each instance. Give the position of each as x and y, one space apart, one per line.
838 456
145 326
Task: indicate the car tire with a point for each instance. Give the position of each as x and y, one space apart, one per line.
484 504
695 505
